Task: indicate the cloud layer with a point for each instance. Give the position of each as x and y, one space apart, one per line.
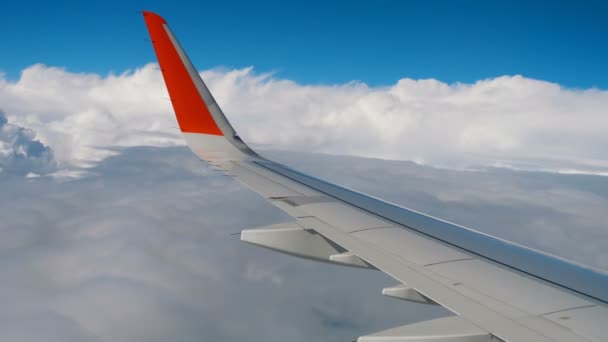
140 248
509 120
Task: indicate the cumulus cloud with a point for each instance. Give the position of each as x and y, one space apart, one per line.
79 115
21 153
505 121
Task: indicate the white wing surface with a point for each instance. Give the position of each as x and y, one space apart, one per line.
498 291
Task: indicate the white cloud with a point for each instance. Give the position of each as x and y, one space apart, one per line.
508 121
20 153
79 115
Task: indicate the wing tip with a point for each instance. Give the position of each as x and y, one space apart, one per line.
193 115
187 91
151 16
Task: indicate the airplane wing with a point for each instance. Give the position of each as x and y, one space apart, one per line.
498 290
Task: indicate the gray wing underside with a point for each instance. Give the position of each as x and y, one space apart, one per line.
492 301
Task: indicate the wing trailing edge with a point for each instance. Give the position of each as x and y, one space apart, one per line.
291 238
447 329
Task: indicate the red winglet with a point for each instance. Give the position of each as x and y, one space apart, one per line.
190 109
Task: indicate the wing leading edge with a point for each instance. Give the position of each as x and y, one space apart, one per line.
499 290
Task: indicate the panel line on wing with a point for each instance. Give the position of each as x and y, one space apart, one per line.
366 229
568 309
448 261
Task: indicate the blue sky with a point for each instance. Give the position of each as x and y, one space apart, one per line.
321 42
